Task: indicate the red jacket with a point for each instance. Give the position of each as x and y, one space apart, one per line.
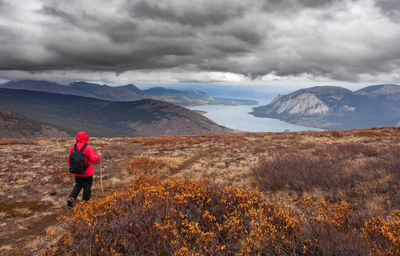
91 157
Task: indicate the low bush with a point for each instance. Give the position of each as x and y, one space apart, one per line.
329 228
145 165
384 234
353 169
151 216
300 173
184 217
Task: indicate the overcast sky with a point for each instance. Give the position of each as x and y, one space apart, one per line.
230 41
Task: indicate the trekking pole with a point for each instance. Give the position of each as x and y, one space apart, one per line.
101 177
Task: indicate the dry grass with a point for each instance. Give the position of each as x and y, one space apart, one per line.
355 173
351 172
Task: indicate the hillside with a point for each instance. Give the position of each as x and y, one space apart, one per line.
124 93
44 86
332 107
107 118
16 126
187 97
119 93
191 97
380 89
319 193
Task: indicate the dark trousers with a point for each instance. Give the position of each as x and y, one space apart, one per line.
86 184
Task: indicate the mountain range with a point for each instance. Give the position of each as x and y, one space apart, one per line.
127 92
331 107
107 118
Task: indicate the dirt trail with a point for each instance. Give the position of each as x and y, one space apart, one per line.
21 239
188 163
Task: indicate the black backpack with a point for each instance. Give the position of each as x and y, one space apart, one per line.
77 161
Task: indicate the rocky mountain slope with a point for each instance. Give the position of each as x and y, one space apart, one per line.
123 93
107 118
16 126
333 107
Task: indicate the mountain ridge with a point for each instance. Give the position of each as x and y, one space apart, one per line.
108 118
379 89
333 107
127 92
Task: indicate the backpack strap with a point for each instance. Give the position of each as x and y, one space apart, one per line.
83 148
75 148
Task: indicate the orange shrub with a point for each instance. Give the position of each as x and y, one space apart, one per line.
184 217
384 235
333 214
151 141
145 165
328 229
367 133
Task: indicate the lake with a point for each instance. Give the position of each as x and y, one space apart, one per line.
238 118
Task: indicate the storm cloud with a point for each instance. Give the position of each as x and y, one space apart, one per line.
346 40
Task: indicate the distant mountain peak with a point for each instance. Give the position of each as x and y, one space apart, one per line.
132 88
326 90
85 84
379 89
160 90
337 107
30 82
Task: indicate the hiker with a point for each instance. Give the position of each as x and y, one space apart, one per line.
83 171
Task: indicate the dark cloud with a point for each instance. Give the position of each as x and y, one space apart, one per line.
4 7
295 6
202 14
3 4
146 35
390 7
318 3
338 39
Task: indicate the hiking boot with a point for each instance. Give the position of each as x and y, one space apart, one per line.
70 201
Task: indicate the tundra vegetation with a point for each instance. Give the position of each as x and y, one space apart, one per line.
304 193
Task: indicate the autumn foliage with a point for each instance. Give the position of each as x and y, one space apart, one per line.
152 216
145 165
184 217
384 234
